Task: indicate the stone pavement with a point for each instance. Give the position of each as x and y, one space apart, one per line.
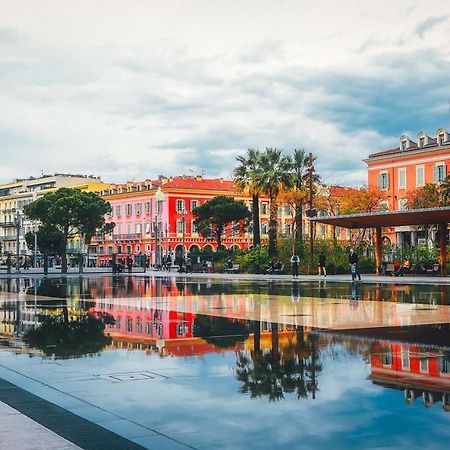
18 431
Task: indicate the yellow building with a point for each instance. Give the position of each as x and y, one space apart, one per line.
16 195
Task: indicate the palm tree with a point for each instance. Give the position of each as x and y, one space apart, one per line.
244 177
272 177
300 166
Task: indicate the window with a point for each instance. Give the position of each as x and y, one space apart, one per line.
402 178
138 228
386 357
288 210
119 228
179 206
118 212
264 208
424 365
264 228
421 141
100 250
148 207
383 180
420 176
129 249
148 328
110 250
159 206
128 209
441 139
403 145
138 208
444 364
128 228
119 249
439 173
287 228
193 227
129 325
180 226
147 228
194 204
405 358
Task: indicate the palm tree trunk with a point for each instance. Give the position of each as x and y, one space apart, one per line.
273 225
256 227
298 223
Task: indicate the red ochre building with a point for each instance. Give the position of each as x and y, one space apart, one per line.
403 169
153 215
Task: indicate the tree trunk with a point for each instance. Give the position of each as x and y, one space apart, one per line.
256 227
273 224
219 231
64 257
298 223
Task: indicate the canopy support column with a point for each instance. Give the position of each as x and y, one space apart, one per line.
443 248
378 250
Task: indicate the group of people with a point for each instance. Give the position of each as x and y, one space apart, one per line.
352 260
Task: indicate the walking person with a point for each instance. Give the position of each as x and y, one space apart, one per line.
353 261
322 263
295 261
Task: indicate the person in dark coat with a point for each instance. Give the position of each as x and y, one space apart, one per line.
322 263
353 261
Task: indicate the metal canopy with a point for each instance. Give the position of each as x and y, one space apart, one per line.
383 219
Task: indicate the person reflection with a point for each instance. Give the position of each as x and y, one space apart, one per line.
322 289
295 293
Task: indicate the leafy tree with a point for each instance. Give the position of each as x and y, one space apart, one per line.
272 178
70 212
213 216
244 177
429 196
363 200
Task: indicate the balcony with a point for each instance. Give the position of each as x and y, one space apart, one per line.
7 224
127 237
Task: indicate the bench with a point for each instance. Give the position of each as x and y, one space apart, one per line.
279 270
389 269
435 270
234 269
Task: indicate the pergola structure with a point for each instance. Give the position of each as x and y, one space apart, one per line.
379 220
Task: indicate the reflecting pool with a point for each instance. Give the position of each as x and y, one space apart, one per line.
175 363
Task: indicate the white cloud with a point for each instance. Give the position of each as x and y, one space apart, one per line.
131 89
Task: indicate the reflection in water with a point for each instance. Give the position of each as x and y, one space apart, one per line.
62 337
80 316
287 368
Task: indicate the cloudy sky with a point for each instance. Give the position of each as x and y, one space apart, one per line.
129 89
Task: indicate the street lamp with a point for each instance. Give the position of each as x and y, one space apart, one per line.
17 220
159 197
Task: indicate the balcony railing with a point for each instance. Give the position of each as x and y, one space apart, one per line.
7 224
127 237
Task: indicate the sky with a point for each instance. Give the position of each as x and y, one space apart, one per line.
131 89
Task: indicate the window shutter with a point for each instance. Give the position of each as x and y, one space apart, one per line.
380 181
387 180
436 174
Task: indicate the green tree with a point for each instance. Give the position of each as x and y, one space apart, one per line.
244 177
213 216
273 177
70 212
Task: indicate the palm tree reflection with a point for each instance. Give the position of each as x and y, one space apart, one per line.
280 370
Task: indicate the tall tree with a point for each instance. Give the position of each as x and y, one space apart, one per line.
272 177
429 196
363 200
300 166
213 216
71 212
244 177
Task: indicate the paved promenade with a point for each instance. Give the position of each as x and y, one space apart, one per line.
19 432
344 278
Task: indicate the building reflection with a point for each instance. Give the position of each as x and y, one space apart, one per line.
420 372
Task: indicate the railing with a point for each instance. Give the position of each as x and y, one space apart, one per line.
9 237
7 224
127 237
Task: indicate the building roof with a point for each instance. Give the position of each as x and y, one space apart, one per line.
427 216
198 183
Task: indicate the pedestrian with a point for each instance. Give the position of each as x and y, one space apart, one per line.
189 266
129 263
322 263
353 261
209 266
295 261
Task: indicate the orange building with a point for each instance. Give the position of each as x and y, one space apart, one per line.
406 168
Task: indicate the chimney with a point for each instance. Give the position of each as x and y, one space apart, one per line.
221 180
199 178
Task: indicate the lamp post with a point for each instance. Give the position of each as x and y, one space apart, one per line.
18 219
159 197
183 229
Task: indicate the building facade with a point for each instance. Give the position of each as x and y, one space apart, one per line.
401 170
18 194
